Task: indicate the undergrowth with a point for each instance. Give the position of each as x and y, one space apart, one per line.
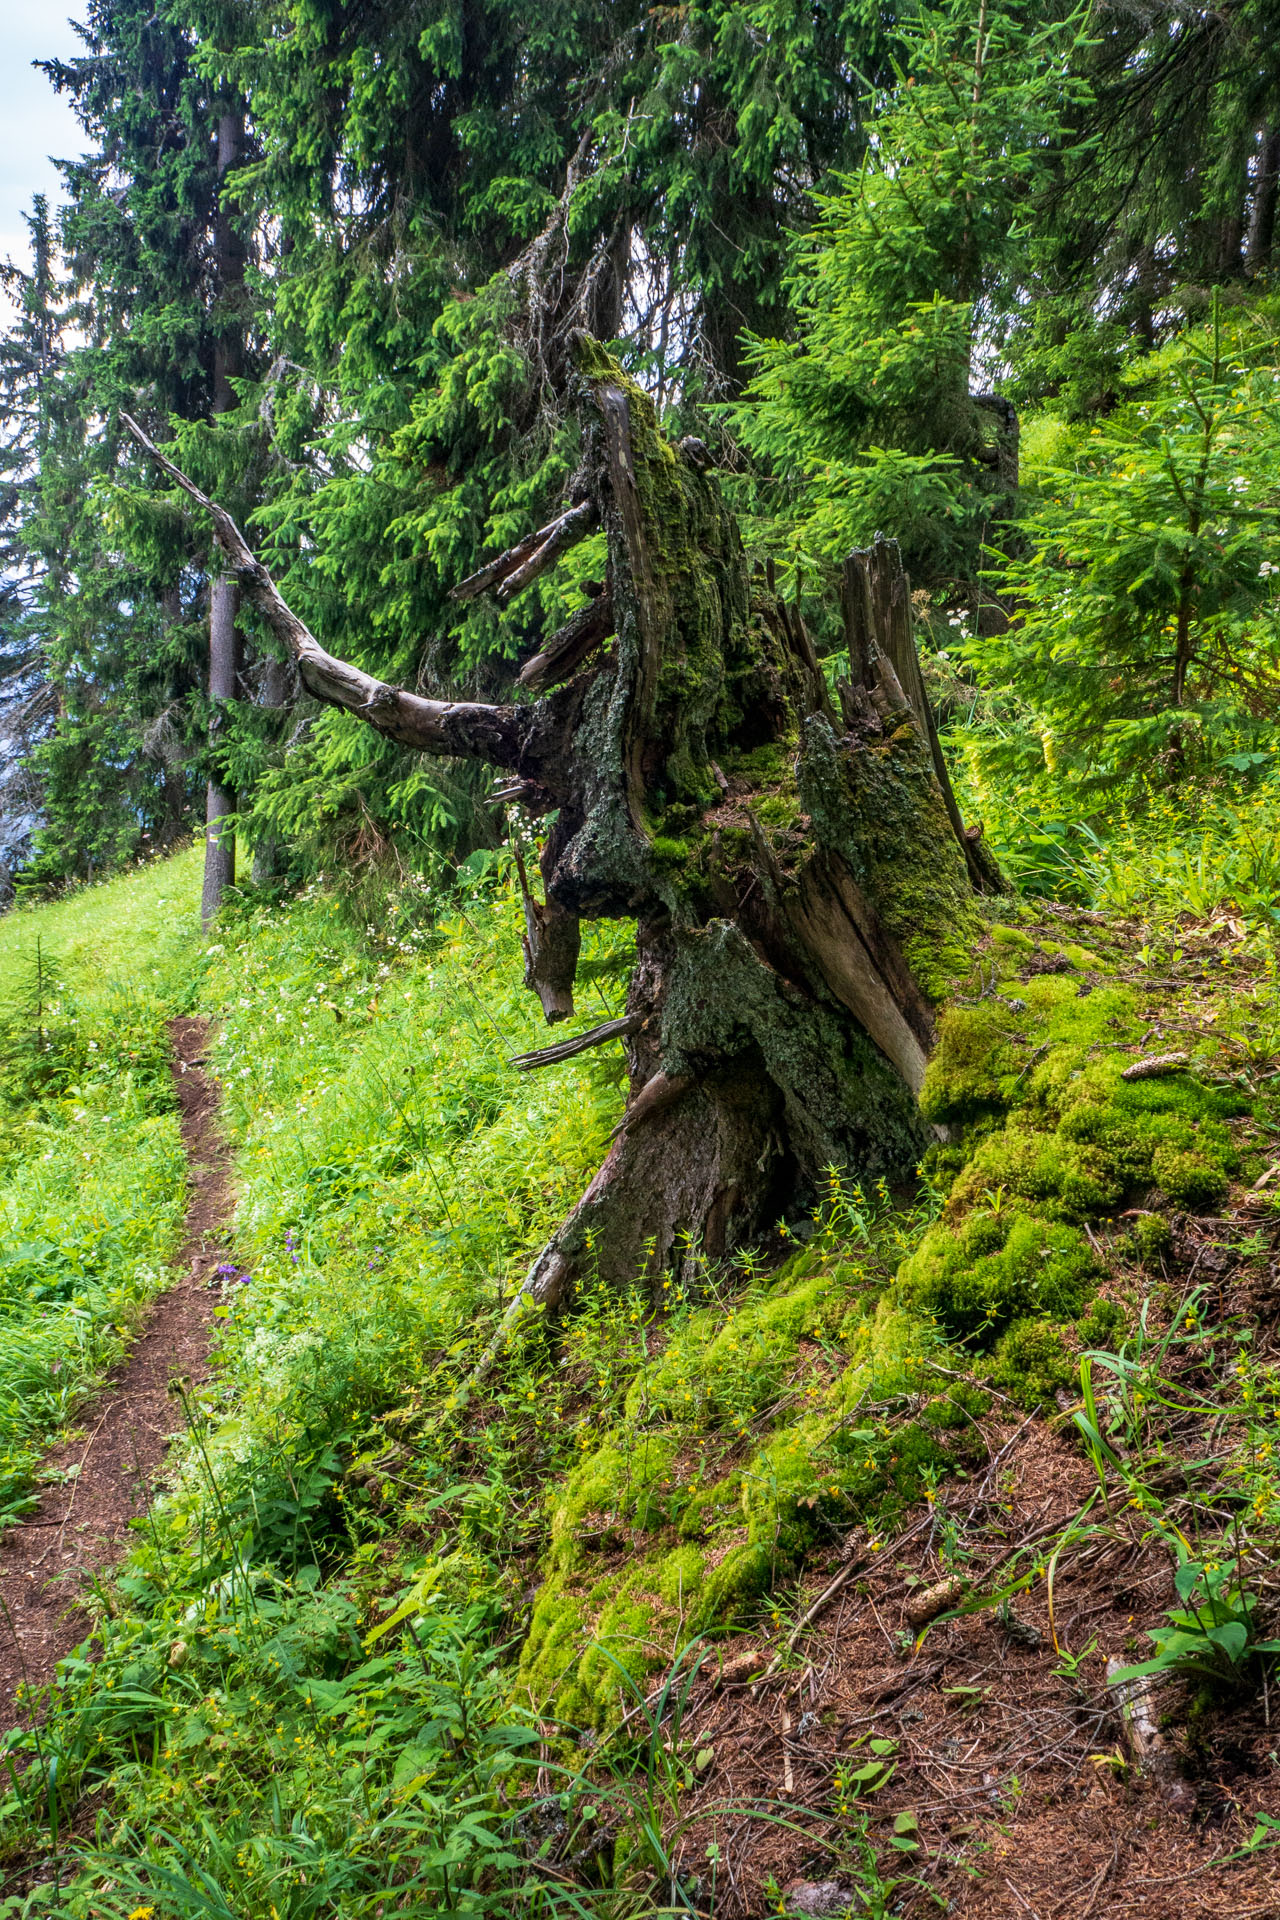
391 1646
91 1168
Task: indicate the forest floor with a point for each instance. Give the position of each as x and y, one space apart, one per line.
372 1627
98 1482
1008 1772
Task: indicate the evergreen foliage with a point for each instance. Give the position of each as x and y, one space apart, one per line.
1146 633
873 416
874 237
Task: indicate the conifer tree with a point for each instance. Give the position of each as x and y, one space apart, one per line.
878 413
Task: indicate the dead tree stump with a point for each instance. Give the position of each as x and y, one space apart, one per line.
792 855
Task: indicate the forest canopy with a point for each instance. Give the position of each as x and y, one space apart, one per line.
988 277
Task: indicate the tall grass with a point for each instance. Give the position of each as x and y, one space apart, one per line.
268 1750
91 1169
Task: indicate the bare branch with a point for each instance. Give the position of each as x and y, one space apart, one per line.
463 728
594 1037
529 557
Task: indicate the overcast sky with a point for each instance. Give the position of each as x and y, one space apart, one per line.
34 122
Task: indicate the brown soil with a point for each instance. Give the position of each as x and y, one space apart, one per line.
83 1524
1017 1777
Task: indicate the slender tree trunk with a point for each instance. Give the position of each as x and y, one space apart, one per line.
225 644
220 805
1262 211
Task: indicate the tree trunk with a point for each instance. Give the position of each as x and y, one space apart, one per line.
220 803
799 876
225 641
1262 210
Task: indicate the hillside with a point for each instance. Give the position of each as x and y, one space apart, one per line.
639 1003
810 1573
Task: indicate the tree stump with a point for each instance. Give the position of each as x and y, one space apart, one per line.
795 863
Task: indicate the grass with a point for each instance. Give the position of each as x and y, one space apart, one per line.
137 926
349 1666
91 1171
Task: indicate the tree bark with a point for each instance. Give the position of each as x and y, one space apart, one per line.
220 805
800 879
1262 210
225 640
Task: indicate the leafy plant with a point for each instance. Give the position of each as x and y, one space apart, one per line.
1213 1635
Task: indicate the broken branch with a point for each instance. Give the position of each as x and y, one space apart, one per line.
577 520
594 1037
463 728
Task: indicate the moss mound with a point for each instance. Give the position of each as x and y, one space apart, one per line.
725 1470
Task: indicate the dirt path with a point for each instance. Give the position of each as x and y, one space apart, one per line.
82 1524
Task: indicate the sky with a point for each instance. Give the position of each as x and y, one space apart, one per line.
34 122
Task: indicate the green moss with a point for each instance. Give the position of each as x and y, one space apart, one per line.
1032 1362
1191 1179
1081 958
1100 1326
1014 938
1152 1236
995 1268
777 810
761 765
711 1520
974 1065
958 1408
668 855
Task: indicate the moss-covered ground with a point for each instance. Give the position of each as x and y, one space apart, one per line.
386 1646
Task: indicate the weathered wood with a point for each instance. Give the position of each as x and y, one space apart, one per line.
552 940
566 532
662 1091
876 601
464 728
786 870
575 521
619 1029
642 610
570 645
858 963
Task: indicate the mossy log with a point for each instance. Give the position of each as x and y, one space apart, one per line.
801 882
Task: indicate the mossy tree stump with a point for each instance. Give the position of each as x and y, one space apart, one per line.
794 862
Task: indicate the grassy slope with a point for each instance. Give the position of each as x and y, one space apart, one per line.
90 1158
328 1658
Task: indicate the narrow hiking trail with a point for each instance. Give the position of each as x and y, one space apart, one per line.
98 1484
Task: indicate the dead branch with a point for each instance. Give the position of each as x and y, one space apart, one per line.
462 728
508 571
580 1043
568 530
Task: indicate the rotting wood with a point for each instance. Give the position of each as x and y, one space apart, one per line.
619 1029
552 939
1149 1750
699 785
883 658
